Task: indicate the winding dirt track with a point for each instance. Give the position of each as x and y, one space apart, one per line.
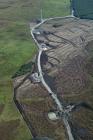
53 95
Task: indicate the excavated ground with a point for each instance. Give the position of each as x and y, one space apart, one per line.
67 68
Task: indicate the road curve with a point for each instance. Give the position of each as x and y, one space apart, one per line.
60 107
53 95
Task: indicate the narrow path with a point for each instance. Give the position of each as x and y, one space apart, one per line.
53 95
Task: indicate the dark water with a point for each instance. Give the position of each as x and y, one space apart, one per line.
82 8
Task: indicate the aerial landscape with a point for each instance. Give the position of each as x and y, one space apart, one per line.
46 77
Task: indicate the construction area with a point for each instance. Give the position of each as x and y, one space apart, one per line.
67 63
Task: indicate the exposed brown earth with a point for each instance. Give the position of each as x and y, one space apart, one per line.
36 104
67 68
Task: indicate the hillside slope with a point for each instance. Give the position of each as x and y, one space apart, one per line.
16 48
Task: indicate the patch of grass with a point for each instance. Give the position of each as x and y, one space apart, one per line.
53 8
16 48
26 68
22 132
26 10
9 113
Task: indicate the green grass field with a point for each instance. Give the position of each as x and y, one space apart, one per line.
16 48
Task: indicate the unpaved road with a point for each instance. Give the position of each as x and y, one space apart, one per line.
53 95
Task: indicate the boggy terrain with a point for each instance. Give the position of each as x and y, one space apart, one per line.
67 62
